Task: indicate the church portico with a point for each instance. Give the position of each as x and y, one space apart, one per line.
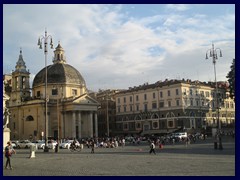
71 111
78 124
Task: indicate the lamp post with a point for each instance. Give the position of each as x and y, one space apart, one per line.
40 40
213 53
107 115
58 119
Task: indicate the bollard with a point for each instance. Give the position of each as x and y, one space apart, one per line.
32 151
215 145
220 144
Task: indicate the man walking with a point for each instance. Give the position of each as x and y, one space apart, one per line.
152 148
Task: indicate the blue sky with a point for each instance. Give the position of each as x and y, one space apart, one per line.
121 46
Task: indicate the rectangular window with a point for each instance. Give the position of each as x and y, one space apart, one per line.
169 93
125 108
136 97
119 109
145 107
145 96
161 104
130 98
161 94
131 108
74 92
197 102
137 107
191 92
154 96
207 94
177 102
154 105
124 99
191 102
54 92
169 103
177 92
138 125
170 124
196 92
23 82
38 93
118 100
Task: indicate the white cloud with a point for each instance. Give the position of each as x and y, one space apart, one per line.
178 7
110 48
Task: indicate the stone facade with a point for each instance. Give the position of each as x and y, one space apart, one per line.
71 112
165 107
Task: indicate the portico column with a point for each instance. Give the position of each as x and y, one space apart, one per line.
96 124
91 124
79 124
73 124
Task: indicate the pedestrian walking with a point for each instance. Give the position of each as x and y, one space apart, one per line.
92 146
8 153
187 141
152 148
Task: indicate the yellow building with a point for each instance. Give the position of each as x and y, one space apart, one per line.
71 112
173 105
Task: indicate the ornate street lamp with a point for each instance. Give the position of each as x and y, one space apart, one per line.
213 53
45 40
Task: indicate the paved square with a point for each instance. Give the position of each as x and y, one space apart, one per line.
199 159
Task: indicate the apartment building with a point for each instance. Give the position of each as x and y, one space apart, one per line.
106 112
165 107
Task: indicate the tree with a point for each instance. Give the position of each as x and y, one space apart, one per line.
231 79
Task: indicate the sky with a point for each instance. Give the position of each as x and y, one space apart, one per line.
122 46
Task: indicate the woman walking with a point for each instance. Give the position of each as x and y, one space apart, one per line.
8 153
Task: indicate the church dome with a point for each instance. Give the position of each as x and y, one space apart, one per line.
59 72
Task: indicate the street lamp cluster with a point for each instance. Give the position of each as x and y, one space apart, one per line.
213 53
45 40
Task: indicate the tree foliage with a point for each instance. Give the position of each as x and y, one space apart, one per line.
231 79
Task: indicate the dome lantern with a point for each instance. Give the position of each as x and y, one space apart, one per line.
59 55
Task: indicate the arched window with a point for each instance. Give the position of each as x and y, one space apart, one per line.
138 117
29 118
155 116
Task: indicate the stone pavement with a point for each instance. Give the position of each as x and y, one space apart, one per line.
199 159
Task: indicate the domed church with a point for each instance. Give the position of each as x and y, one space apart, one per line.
71 112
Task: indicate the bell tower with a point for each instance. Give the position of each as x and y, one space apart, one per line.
20 82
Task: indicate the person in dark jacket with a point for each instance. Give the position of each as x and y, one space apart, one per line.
8 153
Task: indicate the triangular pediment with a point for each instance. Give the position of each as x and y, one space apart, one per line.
85 99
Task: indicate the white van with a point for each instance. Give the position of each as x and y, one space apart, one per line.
180 135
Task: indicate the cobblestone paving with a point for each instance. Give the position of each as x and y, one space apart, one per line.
199 159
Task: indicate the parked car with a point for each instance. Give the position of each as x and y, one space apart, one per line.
180 135
14 144
24 144
52 144
40 144
67 144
